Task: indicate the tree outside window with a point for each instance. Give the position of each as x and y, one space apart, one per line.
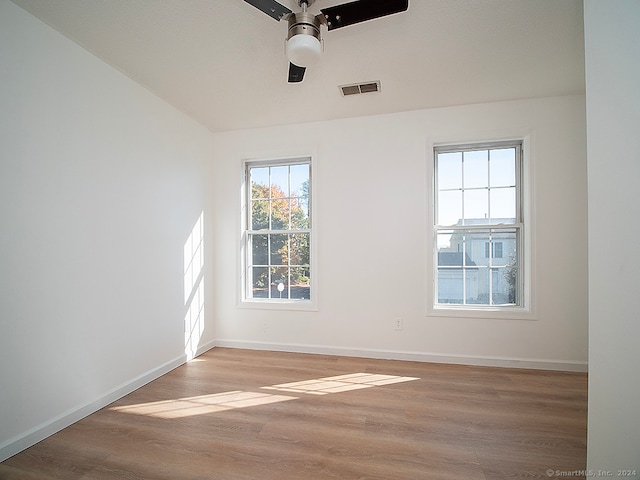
278 233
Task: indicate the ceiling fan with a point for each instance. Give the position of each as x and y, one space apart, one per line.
304 41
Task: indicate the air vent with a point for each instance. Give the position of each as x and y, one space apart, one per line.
358 88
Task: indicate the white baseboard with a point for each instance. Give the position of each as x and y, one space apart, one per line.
205 347
504 362
38 433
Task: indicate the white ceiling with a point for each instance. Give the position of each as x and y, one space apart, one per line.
222 61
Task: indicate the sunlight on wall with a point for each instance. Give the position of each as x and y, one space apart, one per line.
194 288
220 402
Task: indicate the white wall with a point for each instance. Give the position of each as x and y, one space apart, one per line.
612 49
372 190
100 186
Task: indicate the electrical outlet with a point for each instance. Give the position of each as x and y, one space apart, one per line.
397 323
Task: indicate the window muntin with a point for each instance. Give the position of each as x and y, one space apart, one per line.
278 231
478 225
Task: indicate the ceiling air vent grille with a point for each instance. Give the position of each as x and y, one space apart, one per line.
358 88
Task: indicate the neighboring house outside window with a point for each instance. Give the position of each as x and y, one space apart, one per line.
494 249
277 231
478 225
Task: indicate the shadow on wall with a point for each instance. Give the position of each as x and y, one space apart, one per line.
194 288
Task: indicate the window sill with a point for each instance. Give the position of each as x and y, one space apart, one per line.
494 313
293 305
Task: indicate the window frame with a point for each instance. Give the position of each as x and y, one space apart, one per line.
245 300
524 207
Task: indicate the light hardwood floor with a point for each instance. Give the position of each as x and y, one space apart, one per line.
213 418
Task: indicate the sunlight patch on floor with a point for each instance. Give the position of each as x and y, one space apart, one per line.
217 402
340 383
220 402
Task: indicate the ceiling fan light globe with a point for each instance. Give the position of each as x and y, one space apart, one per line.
304 50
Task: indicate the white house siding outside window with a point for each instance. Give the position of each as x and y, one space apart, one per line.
478 225
277 231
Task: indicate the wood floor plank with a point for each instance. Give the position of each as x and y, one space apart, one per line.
238 415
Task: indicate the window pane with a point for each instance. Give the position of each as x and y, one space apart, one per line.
279 282
503 204
279 249
260 176
450 258
260 282
280 181
497 250
299 249
443 240
449 170
506 278
259 249
300 286
300 180
476 207
449 207
299 213
505 246
477 286
507 285
476 169
503 167
450 285
503 292
280 214
475 248
259 214
259 191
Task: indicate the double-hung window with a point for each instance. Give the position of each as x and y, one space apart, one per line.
277 232
478 225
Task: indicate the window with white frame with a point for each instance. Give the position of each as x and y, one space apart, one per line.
478 225
277 231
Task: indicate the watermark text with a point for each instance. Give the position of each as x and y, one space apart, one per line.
551 473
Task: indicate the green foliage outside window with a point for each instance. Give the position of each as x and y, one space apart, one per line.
282 252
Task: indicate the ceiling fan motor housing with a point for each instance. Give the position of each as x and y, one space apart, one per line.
303 41
303 44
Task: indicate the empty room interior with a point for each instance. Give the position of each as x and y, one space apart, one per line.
283 240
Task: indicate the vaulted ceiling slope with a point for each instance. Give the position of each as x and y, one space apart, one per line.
223 63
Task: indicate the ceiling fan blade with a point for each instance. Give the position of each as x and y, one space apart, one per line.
270 7
361 11
296 73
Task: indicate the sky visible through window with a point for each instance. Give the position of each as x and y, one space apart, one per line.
477 225
281 176
475 187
